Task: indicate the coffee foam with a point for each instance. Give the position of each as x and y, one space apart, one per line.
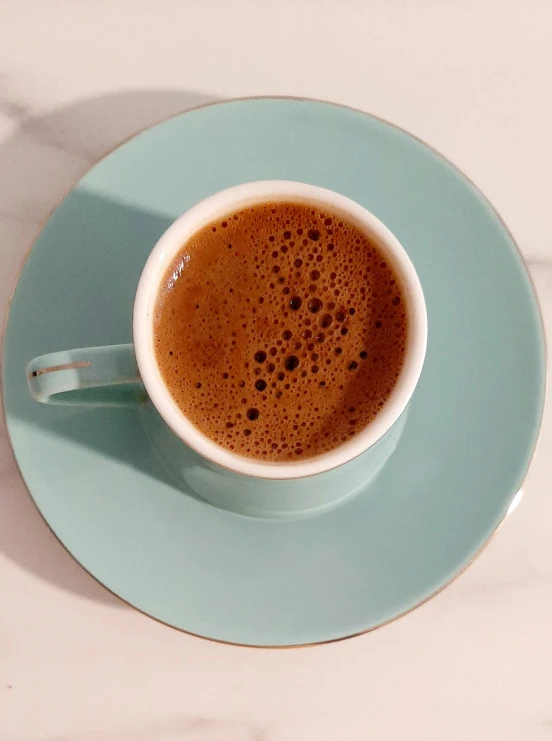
280 331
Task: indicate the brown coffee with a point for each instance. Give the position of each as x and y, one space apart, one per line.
280 330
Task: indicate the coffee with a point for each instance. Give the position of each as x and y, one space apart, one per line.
280 330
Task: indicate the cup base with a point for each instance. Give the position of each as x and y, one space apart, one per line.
265 498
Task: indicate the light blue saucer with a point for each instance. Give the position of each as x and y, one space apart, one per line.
467 440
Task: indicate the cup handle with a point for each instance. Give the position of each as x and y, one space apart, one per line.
93 376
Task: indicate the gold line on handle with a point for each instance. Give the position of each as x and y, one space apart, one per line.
65 366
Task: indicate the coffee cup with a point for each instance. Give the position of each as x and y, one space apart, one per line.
129 374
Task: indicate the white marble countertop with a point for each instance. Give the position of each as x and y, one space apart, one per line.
473 78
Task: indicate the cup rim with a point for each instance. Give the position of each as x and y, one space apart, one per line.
208 210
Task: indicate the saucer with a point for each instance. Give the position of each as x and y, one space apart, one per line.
468 437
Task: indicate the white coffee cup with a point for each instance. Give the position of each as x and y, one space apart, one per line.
115 374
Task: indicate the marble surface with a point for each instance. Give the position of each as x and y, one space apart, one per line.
473 78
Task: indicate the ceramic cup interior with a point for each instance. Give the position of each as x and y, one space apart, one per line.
215 207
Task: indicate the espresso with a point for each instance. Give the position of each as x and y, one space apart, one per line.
280 330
